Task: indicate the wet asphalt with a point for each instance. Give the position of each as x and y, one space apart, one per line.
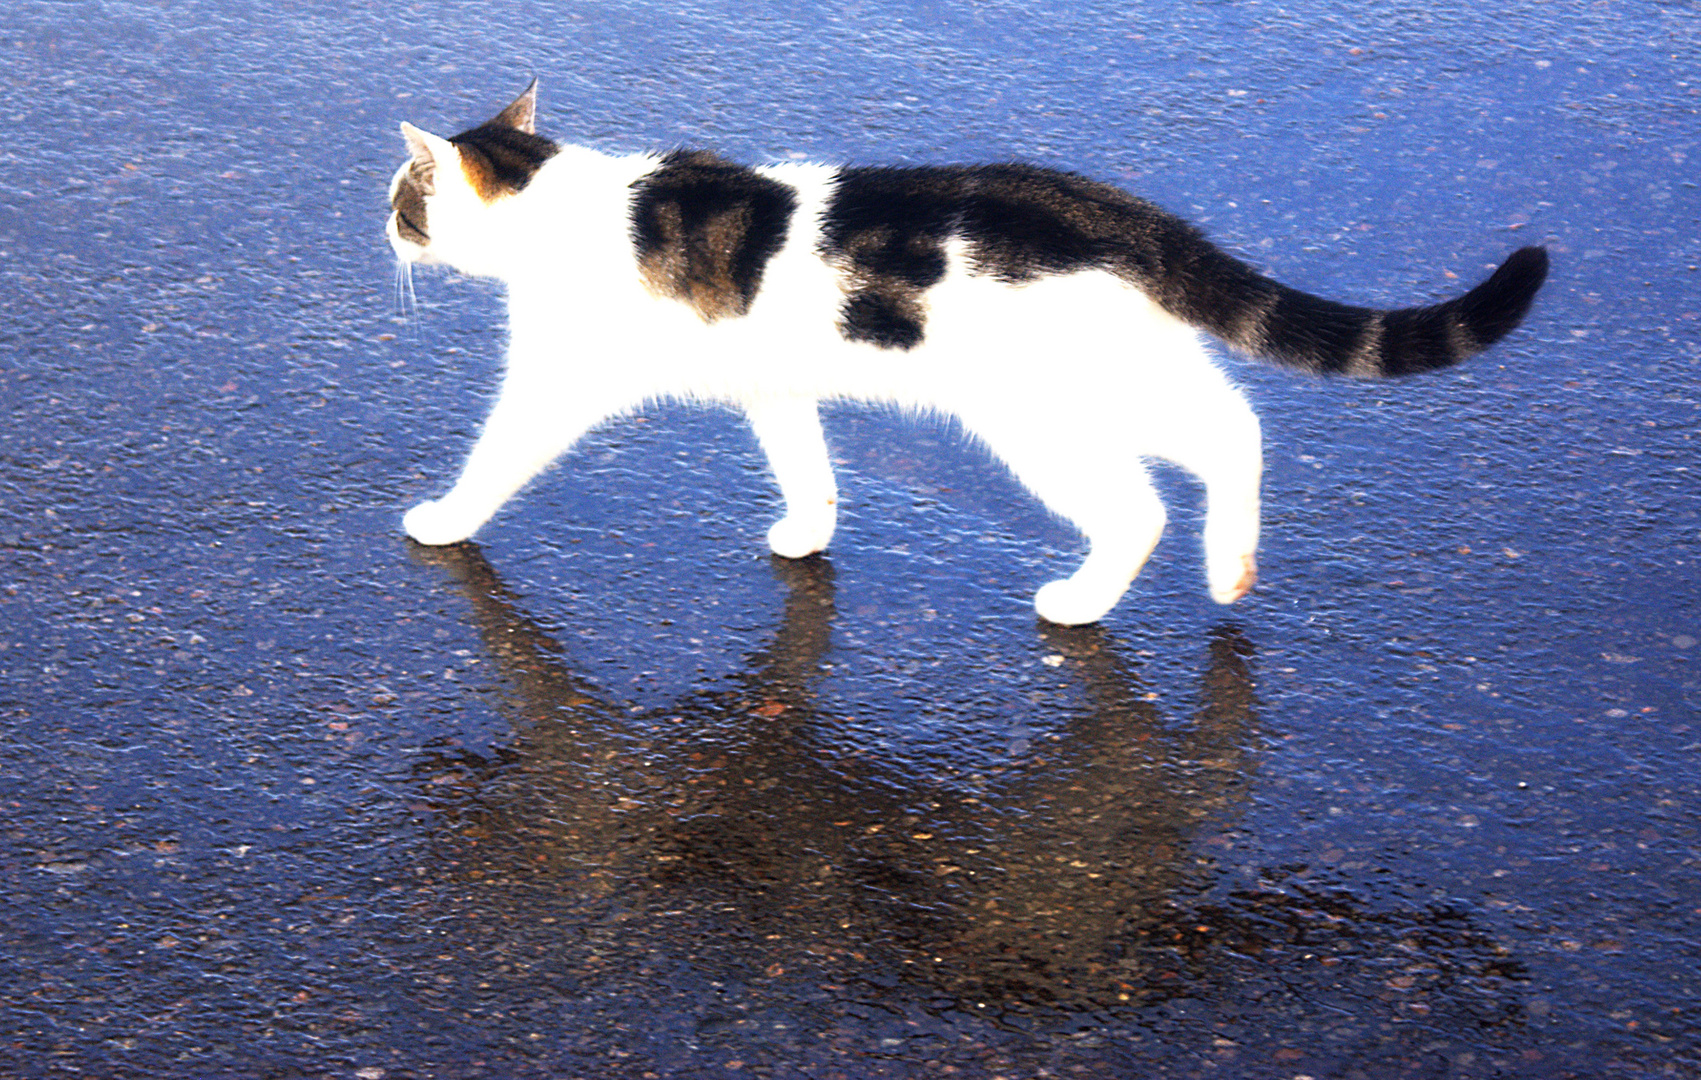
612 793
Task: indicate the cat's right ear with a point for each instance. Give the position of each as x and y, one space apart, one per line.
521 113
428 152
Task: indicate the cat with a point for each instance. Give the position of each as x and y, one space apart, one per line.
1057 318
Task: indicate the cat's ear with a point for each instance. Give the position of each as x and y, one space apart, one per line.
428 151
521 114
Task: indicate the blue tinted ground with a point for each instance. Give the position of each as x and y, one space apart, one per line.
614 795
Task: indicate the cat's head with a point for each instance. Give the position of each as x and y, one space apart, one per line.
440 197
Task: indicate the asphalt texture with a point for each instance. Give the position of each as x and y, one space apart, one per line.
612 793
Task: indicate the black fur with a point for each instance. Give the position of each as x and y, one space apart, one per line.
1496 307
888 228
501 159
891 323
704 230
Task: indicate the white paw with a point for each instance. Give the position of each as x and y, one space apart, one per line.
1232 580
434 524
1070 602
792 537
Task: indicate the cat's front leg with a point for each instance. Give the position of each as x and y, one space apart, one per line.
436 522
789 429
528 428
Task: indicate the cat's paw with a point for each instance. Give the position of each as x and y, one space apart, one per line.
434 524
794 537
1231 581
1071 602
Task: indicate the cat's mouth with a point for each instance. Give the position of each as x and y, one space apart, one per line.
407 250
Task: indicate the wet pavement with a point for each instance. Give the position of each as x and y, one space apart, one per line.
614 794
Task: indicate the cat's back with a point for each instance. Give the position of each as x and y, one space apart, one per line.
730 241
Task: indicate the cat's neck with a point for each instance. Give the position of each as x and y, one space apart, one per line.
572 219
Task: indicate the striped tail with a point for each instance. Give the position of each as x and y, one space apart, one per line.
1270 321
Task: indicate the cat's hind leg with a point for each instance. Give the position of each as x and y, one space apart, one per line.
1120 538
1216 438
789 430
1087 474
1231 524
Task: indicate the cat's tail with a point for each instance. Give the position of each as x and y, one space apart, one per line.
1268 320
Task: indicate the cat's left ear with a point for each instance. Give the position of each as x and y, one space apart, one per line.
521 114
428 151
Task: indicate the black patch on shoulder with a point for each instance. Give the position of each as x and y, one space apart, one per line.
704 230
501 160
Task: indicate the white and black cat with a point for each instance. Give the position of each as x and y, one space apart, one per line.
1056 317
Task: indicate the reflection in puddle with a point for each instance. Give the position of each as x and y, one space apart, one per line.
1022 898
736 832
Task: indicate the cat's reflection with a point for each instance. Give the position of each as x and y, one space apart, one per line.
1022 882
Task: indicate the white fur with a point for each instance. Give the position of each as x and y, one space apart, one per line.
1072 381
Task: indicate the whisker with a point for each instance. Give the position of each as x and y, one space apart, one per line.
402 298
410 301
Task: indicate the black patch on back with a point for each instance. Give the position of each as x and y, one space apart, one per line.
886 321
704 230
1026 222
888 228
892 224
501 160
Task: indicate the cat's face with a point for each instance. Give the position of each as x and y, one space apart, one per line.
410 203
438 195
